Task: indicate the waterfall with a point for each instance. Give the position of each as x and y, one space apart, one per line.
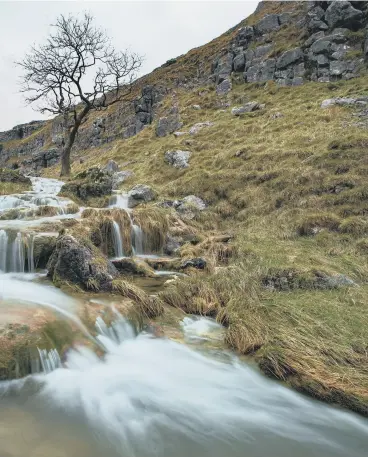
137 240
119 201
17 254
50 360
117 240
30 256
3 249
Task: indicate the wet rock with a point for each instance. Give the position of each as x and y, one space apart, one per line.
342 14
119 177
43 247
178 159
140 193
197 262
80 263
199 126
94 182
247 108
345 101
131 266
111 167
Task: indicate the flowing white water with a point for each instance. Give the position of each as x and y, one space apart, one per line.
3 250
119 200
30 252
153 397
17 254
117 240
138 240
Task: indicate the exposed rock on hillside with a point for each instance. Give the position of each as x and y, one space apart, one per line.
94 182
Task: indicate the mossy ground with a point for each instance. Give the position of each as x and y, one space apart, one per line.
289 184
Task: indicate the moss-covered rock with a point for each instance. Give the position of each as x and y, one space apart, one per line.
132 266
13 176
80 263
92 183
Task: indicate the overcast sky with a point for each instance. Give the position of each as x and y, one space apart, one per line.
157 30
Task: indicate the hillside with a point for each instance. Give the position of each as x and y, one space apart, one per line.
283 177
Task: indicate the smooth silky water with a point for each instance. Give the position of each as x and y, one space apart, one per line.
150 395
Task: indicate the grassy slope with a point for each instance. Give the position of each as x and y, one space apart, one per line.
267 180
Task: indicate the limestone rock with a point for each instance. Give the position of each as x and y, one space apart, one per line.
8 175
94 182
292 57
111 167
268 23
79 262
247 108
199 126
168 124
224 87
140 193
178 159
344 101
342 14
119 177
189 206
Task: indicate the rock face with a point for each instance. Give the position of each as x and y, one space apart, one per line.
93 182
306 41
81 264
178 159
140 194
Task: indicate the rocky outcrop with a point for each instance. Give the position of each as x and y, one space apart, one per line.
140 194
14 176
168 124
80 263
22 131
94 182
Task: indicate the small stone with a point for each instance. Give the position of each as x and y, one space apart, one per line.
177 134
197 107
199 126
197 262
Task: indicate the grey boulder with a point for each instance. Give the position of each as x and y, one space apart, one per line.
247 108
199 126
178 159
342 14
140 193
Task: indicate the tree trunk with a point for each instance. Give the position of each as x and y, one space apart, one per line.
69 138
65 160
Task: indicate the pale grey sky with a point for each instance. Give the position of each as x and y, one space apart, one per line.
158 30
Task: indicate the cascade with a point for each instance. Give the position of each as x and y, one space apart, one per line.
50 360
17 258
137 240
117 240
30 255
3 249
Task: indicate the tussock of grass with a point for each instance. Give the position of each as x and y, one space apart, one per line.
147 306
154 223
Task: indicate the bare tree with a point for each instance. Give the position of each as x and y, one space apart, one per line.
76 71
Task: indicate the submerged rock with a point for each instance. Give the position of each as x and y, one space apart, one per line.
140 193
80 263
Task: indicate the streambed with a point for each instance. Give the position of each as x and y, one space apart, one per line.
172 389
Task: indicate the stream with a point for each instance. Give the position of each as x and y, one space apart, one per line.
142 394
